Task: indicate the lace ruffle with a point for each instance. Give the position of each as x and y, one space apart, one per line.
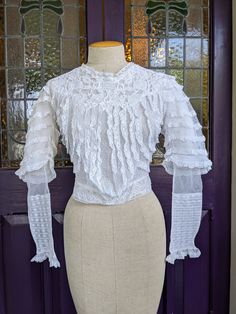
41 141
180 254
53 261
184 140
110 131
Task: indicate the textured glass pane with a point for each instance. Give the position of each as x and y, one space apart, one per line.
193 53
15 84
139 2
40 42
52 51
127 28
50 22
71 2
15 52
176 21
193 83
82 21
29 107
205 83
32 22
61 152
83 50
13 21
140 19
205 22
2 84
194 22
175 52
205 53
179 75
2 55
177 45
4 146
69 53
16 114
16 139
194 2
206 134
1 22
140 51
32 52
70 21
157 52
14 2
33 83
197 105
50 73
205 112
3 104
158 156
158 24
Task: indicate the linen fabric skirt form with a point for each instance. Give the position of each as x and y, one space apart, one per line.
115 255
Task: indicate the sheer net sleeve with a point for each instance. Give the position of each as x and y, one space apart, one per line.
37 170
186 159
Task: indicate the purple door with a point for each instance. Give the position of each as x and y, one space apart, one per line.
191 286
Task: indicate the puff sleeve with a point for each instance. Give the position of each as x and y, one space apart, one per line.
186 159
37 170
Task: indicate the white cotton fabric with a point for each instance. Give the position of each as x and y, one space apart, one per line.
110 124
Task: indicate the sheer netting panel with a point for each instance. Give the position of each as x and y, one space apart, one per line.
186 180
186 159
40 220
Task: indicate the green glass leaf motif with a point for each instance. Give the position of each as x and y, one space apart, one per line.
53 5
153 6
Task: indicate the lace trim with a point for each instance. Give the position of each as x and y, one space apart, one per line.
86 194
184 140
39 214
124 131
95 72
41 141
53 261
193 252
204 166
185 223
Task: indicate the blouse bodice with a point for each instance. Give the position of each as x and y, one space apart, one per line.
110 125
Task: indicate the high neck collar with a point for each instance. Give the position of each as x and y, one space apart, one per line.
123 70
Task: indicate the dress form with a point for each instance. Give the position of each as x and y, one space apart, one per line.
115 254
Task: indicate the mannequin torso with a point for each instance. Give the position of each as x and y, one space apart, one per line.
115 254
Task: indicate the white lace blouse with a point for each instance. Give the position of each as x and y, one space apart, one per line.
110 124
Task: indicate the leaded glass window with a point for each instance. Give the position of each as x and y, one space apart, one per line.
172 37
39 40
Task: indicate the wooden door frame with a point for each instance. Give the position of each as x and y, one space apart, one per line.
221 124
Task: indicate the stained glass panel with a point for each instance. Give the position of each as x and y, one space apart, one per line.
35 46
172 37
